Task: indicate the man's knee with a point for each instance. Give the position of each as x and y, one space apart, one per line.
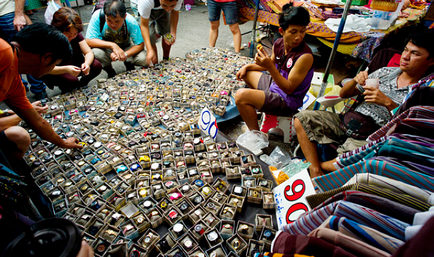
240 96
140 59
19 137
102 56
297 125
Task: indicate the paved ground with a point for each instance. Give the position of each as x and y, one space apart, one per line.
193 32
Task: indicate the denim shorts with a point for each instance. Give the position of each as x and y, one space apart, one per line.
229 9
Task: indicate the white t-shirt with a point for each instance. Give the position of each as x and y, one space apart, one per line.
145 7
6 6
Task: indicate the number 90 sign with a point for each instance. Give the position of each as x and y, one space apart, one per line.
291 196
207 123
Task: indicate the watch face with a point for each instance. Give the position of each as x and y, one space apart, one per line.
178 228
212 236
198 228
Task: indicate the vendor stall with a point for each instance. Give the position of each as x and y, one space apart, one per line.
356 44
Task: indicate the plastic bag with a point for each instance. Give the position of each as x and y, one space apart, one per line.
253 140
52 7
278 158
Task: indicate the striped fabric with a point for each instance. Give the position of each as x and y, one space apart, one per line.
406 150
333 195
394 185
402 198
368 235
361 149
339 177
421 113
381 204
348 243
373 219
356 156
365 216
286 243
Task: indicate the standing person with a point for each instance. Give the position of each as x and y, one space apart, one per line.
114 35
12 20
291 70
82 63
159 16
35 50
229 8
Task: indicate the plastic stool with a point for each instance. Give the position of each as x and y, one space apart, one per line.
282 123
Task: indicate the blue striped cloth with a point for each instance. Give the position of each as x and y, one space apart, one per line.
364 233
339 177
365 216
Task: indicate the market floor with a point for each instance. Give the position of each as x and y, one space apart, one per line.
193 31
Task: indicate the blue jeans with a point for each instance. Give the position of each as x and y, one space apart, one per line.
229 9
7 25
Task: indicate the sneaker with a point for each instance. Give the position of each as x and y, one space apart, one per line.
41 95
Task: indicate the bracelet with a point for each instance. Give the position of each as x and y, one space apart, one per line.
126 55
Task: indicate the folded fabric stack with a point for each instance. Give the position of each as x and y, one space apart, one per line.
380 200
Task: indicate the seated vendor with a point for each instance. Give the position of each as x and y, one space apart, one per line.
290 69
322 127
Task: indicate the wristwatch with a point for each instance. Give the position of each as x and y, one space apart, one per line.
178 228
212 237
199 229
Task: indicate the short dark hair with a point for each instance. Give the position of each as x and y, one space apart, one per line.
115 7
293 16
40 38
423 38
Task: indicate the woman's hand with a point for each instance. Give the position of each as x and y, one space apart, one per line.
85 68
73 70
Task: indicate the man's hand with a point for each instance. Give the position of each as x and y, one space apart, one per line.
374 95
241 73
85 68
73 70
39 108
263 59
151 57
85 250
361 77
19 22
118 54
71 142
172 41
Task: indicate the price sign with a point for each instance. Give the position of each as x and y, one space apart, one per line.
307 101
207 123
291 198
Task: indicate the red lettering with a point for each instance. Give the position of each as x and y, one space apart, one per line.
295 195
295 207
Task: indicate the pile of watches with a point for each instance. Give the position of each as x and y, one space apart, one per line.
145 162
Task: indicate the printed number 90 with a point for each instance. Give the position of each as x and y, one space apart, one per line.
208 124
293 197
